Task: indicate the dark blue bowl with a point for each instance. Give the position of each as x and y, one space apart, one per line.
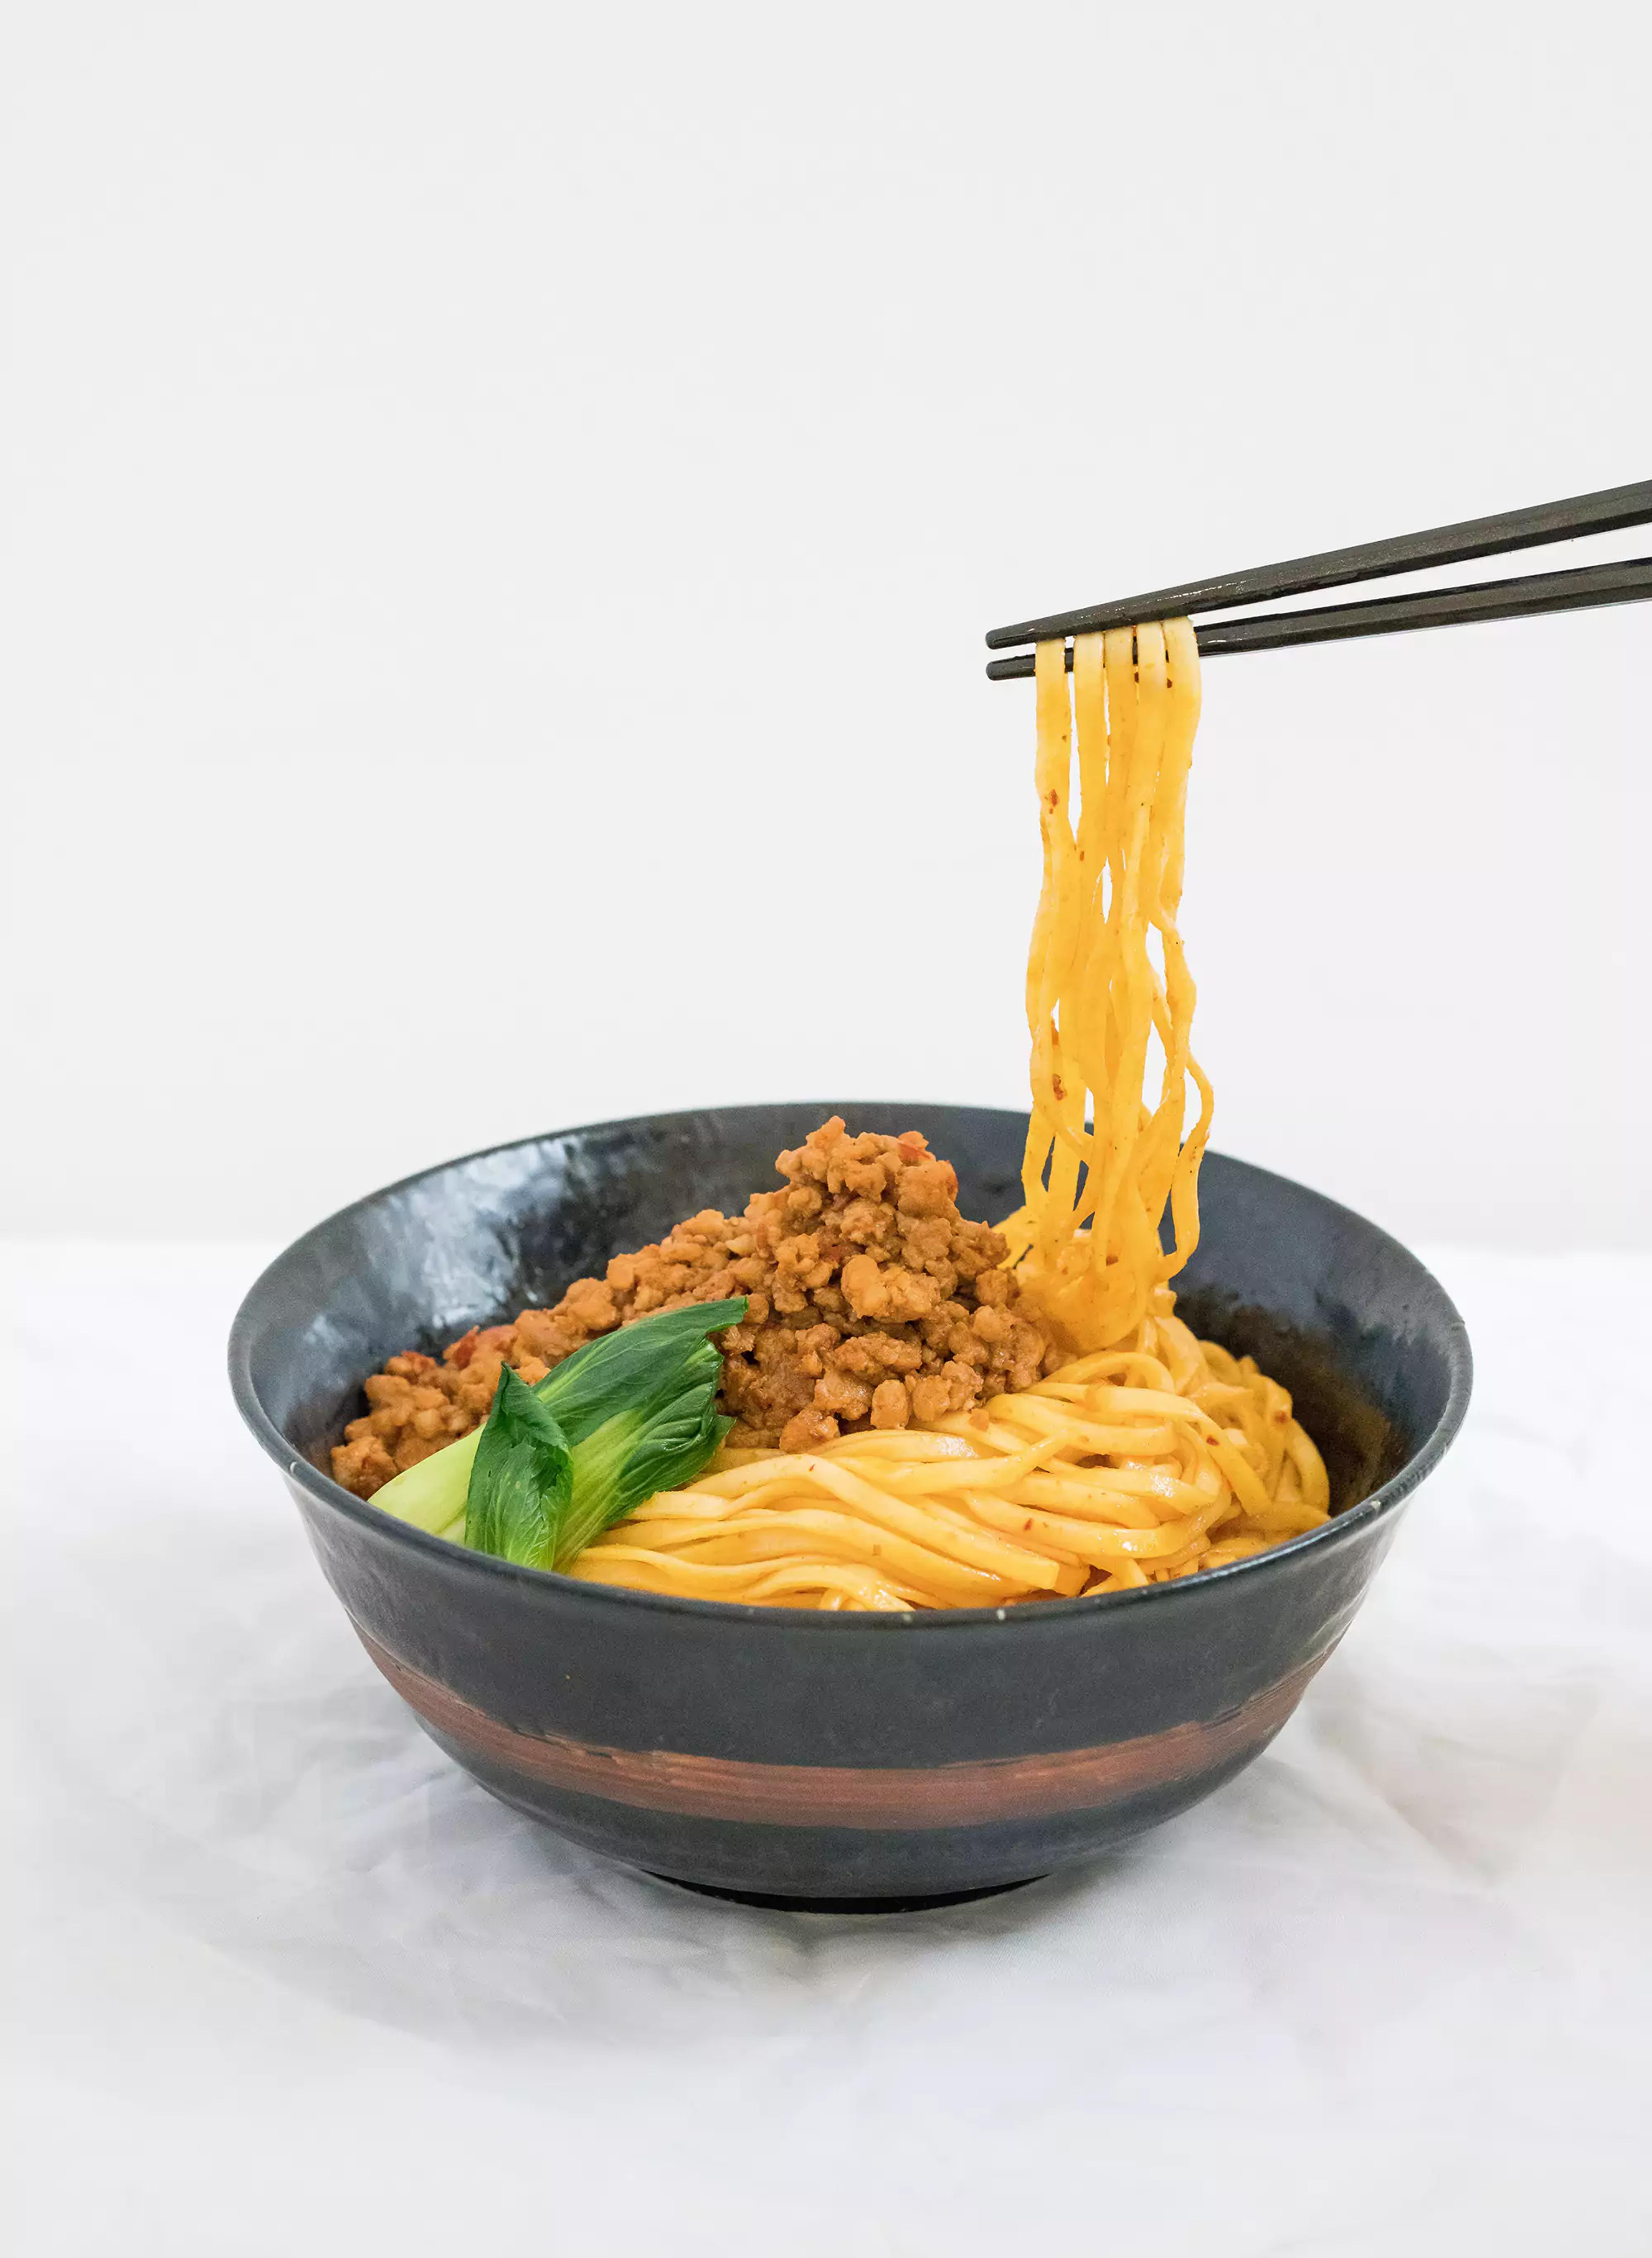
851 1758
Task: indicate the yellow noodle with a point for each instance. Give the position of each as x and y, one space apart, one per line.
1149 1454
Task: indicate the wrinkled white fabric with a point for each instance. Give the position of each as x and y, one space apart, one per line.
283 1979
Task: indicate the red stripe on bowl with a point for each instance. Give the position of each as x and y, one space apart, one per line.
897 1798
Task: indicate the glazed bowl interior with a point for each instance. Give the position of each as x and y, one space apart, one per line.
871 1759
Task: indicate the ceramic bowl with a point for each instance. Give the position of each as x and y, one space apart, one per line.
856 1759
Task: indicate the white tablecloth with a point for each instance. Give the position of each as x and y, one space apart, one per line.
286 1981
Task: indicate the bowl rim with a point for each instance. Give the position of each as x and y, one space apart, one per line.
1383 1501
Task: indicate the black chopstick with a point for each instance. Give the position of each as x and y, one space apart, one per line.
1589 585
1605 512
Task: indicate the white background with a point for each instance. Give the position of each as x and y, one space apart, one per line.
501 505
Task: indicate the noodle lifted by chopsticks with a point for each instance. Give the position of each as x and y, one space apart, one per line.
1151 1454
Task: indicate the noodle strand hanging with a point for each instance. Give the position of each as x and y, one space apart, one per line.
1150 1454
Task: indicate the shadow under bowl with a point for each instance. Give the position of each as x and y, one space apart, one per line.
810 1757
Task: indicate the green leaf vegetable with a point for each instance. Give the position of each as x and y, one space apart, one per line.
522 1478
636 1411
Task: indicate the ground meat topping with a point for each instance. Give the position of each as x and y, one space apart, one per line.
871 1303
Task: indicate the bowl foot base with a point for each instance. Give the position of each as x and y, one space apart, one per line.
850 1905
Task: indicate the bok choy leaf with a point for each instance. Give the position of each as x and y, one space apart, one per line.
636 1410
522 1478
